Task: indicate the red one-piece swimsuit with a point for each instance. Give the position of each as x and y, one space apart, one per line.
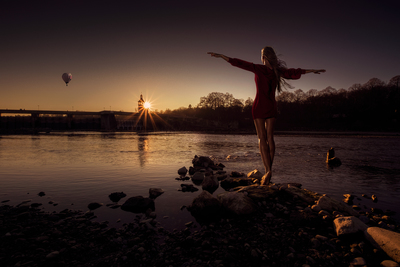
264 105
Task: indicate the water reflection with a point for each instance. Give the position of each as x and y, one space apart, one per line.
143 147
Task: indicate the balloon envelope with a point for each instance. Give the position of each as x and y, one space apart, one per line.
67 78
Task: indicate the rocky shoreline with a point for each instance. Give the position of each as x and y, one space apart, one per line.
247 225
284 230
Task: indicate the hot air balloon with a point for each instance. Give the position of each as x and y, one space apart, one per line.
67 78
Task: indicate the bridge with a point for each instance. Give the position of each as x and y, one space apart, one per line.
107 118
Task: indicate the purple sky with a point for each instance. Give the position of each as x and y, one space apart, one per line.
117 50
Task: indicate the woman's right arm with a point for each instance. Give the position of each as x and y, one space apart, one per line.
219 55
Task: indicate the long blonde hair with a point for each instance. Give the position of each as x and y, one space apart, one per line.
277 65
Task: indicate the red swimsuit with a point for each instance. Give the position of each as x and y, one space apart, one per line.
264 105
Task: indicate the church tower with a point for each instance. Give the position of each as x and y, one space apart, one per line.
140 103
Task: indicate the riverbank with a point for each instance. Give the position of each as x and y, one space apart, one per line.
285 230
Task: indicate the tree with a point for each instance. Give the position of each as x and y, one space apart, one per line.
395 81
374 83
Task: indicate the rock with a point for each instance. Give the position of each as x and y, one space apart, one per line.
188 188
348 225
94 205
331 160
41 194
138 204
330 204
304 194
359 261
236 174
182 178
255 174
386 240
257 193
182 171
210 183
52 255
198 177
389 263
155 192
229 183
205 207
374 198
237 203
116 196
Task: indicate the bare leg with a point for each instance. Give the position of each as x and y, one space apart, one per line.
265 133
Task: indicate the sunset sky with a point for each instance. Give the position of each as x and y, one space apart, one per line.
117 50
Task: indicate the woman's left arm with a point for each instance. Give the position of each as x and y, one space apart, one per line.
315 71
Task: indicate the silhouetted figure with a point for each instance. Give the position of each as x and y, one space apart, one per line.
269 77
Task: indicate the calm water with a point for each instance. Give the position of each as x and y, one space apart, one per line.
74 169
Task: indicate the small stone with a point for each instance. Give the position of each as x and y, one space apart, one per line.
53 255
359 261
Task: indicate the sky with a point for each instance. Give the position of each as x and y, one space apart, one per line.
117 50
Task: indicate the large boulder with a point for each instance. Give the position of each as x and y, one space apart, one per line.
330 204
210 183
205 207
303 194
257 193
229 183
237 203
198 177
348 225
386 240
138 204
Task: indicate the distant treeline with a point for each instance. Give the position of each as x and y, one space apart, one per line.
373 106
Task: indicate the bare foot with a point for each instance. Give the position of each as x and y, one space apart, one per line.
266 178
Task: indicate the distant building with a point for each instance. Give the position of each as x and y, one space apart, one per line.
140 103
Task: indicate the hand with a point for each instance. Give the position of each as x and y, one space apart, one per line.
214 54
318 71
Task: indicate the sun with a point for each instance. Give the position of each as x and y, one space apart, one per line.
147 105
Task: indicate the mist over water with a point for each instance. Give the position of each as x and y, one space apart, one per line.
75 169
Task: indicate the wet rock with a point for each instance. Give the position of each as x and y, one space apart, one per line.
188 188
116 196
94 205
138 204
185 178
155 192
229 183
210 183
182 171
331 160
237 203
198 177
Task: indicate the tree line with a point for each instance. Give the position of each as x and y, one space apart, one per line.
373 106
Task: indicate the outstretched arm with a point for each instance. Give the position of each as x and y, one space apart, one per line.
219 55
315 71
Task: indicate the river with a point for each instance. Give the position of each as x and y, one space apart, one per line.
77 168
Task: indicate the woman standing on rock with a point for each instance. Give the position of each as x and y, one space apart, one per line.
269 77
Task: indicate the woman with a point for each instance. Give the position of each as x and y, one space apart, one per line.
269 77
